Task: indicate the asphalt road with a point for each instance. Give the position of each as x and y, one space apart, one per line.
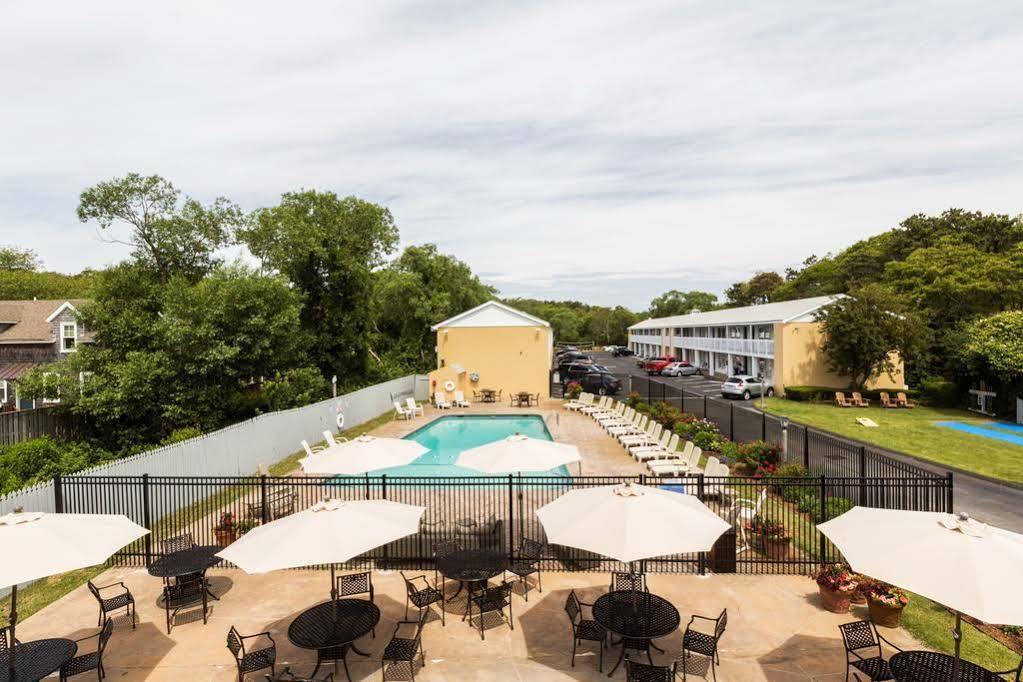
996 503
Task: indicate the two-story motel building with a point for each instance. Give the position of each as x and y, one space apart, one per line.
778 341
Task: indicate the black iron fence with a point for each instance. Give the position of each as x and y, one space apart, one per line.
820 452
499 511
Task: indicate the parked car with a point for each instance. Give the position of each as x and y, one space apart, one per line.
601 383
655 365
610 349
622 352
573 356
565 364
641 360
680 369
745 386
572 371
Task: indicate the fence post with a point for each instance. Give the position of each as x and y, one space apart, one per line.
763 426
58 494
948 494
704 415
823 492
264 511
702 565
383 496
863 473
806 447
146 520
511 517
731 421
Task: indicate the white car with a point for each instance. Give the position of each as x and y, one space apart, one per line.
680 369
745 386
609 349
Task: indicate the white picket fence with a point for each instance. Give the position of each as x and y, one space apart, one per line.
239 449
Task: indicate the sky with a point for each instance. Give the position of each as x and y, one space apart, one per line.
597 151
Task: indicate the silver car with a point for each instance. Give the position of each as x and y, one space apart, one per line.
680 369
745 386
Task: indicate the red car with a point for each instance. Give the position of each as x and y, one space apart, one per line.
655 365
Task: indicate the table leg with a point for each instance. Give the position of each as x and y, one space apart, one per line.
458 591
621 657
357 650
212 596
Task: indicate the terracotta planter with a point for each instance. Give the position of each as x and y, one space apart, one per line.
835 601
777 549
858 597
225 536
883 615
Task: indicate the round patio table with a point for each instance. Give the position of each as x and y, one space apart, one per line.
488 395
926 666
635 615
185 562
334 625
471 566
37 659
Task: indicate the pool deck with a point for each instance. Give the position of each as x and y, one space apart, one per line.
602 455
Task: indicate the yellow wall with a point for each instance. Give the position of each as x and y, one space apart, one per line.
510 359
799 361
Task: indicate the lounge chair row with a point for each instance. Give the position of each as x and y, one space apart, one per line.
411 410
440 400
857 400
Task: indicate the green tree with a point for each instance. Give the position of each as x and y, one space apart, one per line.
610 325
567 325
756 290
862 331
419 289
171 235
677 302
994 345
328 247
16 258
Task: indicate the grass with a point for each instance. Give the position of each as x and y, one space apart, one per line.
914 432
42 593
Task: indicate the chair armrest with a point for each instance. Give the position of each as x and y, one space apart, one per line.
889 642
103 587
1018 670
88 637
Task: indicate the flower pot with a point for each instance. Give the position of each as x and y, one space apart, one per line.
834 600
777 549
883 615
858 597
225 536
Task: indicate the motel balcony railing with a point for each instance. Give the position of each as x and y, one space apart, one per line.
759 347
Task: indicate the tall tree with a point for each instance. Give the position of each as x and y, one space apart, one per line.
756 290
328 247
16 258
170 234
677 302
863 330
994 346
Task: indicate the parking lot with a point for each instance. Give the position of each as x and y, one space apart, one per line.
695 384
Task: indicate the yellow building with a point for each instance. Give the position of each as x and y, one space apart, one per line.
493 346
778 341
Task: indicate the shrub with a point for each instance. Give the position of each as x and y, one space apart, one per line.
178 435
792 470
633 400
756 454
810 394
939 392
40 459
707 440
833 506
295 388
807 501
573 390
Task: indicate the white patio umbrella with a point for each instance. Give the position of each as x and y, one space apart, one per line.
361 455
630 522
37 545
518 453
329 532
968 566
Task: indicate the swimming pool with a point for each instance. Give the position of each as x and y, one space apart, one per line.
447 437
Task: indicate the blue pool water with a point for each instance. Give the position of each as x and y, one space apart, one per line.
1009 433
447 437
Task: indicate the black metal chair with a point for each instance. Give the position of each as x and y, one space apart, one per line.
703 643
122 600
491 600
354 584
405 649
643 672
440 549
527 562
251 660
422 595
635 582
582 629
1018 670
859 637
182 595
179 543
92 660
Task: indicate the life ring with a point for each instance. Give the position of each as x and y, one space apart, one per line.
449 385
474 377
340 420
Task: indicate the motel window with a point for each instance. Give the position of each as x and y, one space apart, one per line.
68 336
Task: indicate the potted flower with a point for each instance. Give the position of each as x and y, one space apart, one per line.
245 526
886 603
573 390
836 586
771 537
226 529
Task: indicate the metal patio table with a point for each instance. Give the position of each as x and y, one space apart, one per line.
334 625
191 561
488 395
926 666
37 659
635 615
471 566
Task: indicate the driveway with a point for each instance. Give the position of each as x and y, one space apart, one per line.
695 384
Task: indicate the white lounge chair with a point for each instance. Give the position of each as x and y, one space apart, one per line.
743 512
400 411
665 447
600 406
718 489
311 450
676 466
329 437
414 407
440 399
460 400
652 435
584 400
618 420
611 408
638 426
671 452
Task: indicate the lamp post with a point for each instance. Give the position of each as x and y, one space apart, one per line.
785 438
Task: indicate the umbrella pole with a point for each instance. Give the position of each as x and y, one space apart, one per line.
14 620
957 635
333 584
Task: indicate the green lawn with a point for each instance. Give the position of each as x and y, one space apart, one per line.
914 432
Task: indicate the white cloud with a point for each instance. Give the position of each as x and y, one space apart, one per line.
673 145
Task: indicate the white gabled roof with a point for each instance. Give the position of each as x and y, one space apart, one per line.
782 311
64 306
492 314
